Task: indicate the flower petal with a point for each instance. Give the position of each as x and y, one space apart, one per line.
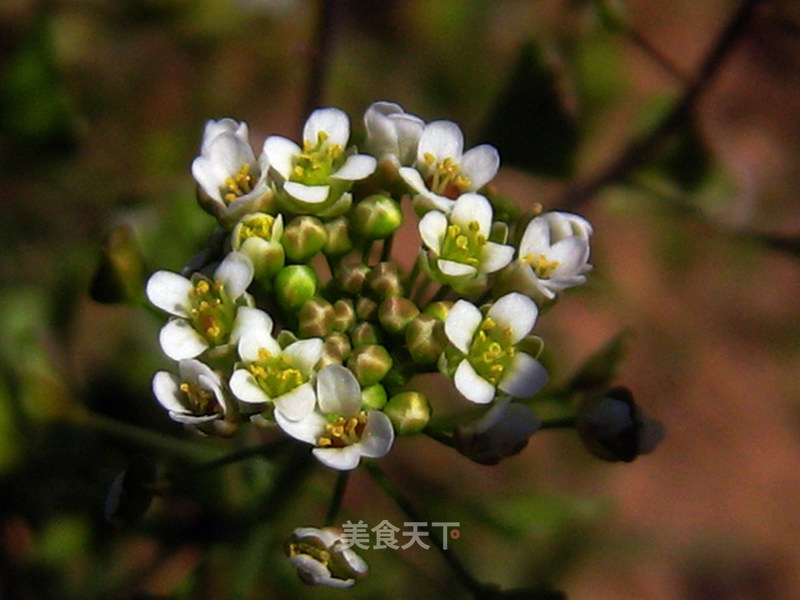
480 165
461 323
249 319
525 377
432 229
495 257
280 153
471 385
166 388
473 207
442 139
456 269
341 459
235 273
308 429
179 340
297 404
516 311
338 391
357 166
169 292
253 341
378 435
413 179
304 354
536 239
246 389
310 194
332 121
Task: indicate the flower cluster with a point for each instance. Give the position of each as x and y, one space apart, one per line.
304 321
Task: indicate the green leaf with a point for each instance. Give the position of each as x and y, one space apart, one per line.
529 124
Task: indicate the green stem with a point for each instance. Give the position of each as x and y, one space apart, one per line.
562 423
391 490
266 451
386 250
336 499
366 252
412 278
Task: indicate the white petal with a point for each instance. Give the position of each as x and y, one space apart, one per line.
280 153
378 435
179 340
471 385
461 324
341 459
516 311
304 354
338 391
313 572
308 429
169 292
192 370
409 131
536 239
332 121
226 125
381 133
357 166
210 176
525 377
244 387
310 194
187 419
442 139
432 229
495 257
297 404
253 341
571 253
249 319
473 207
235 273
456 269
166 388
413 179
480 165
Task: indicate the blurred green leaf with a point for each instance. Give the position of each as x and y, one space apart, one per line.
685 158
529 123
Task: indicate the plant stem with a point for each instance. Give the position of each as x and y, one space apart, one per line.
562 423
391 490
319 54
338 495
386 250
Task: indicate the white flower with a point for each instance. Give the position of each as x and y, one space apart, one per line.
314 177
443 171
322 557
192 397
339 427
206 313
502 432
231 182
258 236
392 133
491 360
460 242
271 375
554 254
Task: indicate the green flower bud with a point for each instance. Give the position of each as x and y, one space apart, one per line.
340 342
376 217
384 280
409 412
364 334
294 286
374 397
425 339
333 352
316 318
119 274
338 241
258 236
366 309
352 277
396 312
304 237
439 309
369 364
344 315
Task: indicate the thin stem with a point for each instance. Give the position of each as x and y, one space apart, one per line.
319 54
640 149
654 53
412 278
441 293
338 495
562 423
266 451
391 490
366 252
386 249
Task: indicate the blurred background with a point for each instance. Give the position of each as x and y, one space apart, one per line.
673 126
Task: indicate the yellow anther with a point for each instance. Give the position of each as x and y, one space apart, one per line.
213 331
202 287
481 239
488 324
299 171
462 242
474 226
185 387
264 354
324 442
322 137
453 230
429 158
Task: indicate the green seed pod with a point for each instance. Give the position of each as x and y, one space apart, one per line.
352 277
364 334
338 241
369 364
374 397
303 237
344 315
425 339
376 217
396 312
316 318
384 280
294 286
409 412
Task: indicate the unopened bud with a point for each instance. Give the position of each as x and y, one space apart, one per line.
119 273
338 240
340 343
409 412
502 432
322 557
258 236
613 428
376 217
294 286
344 315
439 309
373 397
352 277
369 364
396 312
384 280
425 339
315 318
364 334
366 309
304 237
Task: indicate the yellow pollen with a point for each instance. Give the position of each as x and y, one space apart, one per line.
462 242
488 324
474 226
429 158
541 266
299 171
263 354
202 287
